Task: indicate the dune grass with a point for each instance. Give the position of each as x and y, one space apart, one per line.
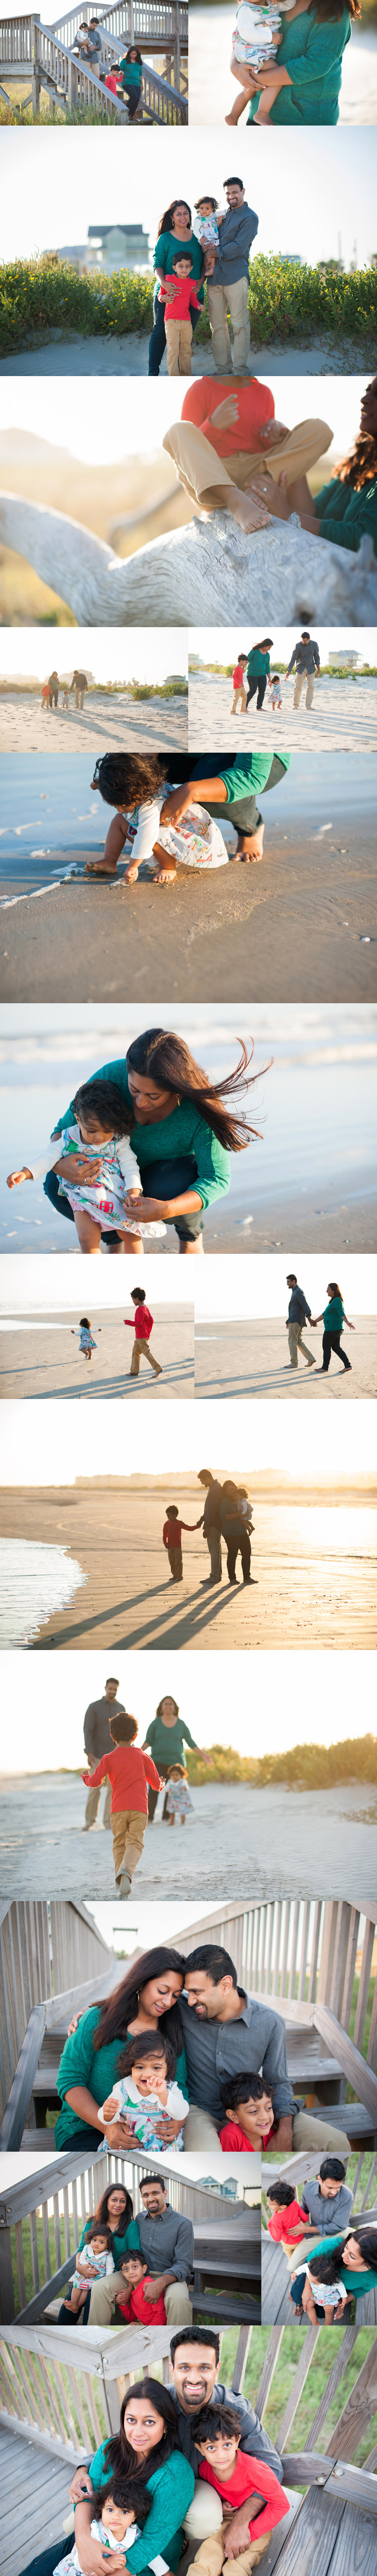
46 294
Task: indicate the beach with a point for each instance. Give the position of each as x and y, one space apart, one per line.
40 1359
126 354
274 1830
252 1358
312 1566
106 724
343 716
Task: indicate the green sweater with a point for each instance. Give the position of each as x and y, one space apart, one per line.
346 516
249 775
131 74
167 1742
357 2282
97 2069
172 2489
166 251
258 663
185 1132
312 53
127 2244
333 1316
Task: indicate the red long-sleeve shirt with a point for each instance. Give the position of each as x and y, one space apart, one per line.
179 305
234 2142
172 1534
141 1323
284 2221
255 406
250 2477
148 2312
128 1771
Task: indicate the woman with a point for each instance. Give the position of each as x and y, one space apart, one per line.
124 781
147 1999
347 2262
257 671
169 1731
175 226
345 510
53 690
311 52
333 1318
131 74
115 2210
146 2448
182 1154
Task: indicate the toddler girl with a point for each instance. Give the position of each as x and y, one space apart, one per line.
177 1801
324 2294
94 1136
195 842
146 2092
116 2526
96 2259
206 228
87 1342
275 691
255 41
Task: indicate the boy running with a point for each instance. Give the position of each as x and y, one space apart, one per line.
143 1326
128 1770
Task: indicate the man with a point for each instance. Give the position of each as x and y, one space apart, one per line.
97 1740
298 1310
211 1522
226 2030
79 683
167 2244
307 662
193 2366
327 2199
228 282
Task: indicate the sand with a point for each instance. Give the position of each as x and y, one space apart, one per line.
343 716
106 724
306 1591
43 1364
127 355
253 1359
291 929
276 1833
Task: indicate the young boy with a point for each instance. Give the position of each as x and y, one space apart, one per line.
287 2222
177 1801
249 2116
121 2514
142 1327
178 293
236 2476
128 1770
148 2312
172 1538
239 690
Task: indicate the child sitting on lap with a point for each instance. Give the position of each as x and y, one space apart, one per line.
178 1801
121 2514
177 293
249 2117
95 2261
147 2093
255 41
95 1136
134 2305
237 2477
206 229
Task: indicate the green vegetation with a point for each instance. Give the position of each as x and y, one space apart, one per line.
304 1766
329 670
37 296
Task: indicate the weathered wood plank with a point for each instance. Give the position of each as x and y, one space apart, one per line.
359 2410
355 2547
22 2086
354 2066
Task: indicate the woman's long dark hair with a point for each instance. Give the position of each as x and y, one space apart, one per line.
361 465
165 224
145 2046
167 1695
326 2267
335 1290
119 2453
121 2007
132 51
127 778
163 1055
100 2216
328 10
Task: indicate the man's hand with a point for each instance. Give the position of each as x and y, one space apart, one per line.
168 2130
81 2486
153 2289
237 2532
120 2134
284 2131
14 1178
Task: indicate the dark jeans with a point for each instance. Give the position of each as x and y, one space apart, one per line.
132 95
84 2137
75 2316
332 1342
244 813
153 1793
297 2288
159 1180
261 686
53 697
240 1543
157 342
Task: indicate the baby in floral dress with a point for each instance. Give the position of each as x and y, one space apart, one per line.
95 1136
255 41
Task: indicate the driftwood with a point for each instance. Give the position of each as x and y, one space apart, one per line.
209 572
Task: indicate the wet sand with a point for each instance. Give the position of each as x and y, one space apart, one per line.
312 1566
291 929
106 724
45 1363
343 716
275 1831
252 1358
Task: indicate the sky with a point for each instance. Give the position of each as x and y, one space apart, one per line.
193 2168
326 186
248 1704
36 1285
101 429
212 647
111 654
263 1290
54 1443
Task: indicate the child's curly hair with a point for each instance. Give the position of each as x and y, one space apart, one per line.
125 2495
151 2044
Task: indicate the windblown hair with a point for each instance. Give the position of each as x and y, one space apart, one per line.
361 465
119 2454
164 1056
244 2088
206 201
85 1319
138 2503
326 2267
121 2007
334 1289
166 220
100 2216
125 778
151 2043
98 1100
282 2192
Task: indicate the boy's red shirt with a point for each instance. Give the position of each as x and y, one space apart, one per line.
250 2477
238 676
141 1323
233 2140
128 1771
179 304
255 406
172 1535
147 2312
282 2221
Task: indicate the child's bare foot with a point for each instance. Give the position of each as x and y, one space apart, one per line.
100 868
249 512
166 876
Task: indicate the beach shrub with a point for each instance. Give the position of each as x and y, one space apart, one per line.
37 296
304 1766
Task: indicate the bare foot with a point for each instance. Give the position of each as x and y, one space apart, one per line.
166 876
250 514
99 868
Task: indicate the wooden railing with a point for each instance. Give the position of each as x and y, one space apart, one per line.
45 1949
48 53
134 22
16 43
81 2181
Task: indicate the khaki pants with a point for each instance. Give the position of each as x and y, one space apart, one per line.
202 471
213 1537
296 1344
222 300
178 343
177 2302
310 2132
200 2131
210 2558
128 1831
93 1800
239 693
301 676
140 1350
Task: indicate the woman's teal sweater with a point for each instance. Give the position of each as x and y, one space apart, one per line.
333 1316
312 53
346 516
171 2487
127 2244
97 2069
358 2283
185 1132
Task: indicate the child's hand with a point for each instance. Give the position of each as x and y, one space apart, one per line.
140 1207
14 1178
226 412
110 2108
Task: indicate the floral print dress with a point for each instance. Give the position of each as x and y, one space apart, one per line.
104 1199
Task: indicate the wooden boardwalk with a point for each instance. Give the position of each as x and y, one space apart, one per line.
34 2505
277 2308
